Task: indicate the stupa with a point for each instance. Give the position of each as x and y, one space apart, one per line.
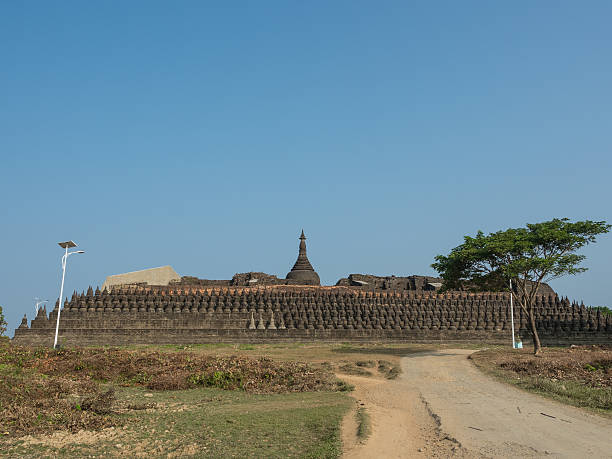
302 270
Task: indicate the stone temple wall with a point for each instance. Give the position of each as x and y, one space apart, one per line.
370 282
147 315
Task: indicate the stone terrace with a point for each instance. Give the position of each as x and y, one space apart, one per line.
158 315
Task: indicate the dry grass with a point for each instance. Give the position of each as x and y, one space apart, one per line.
364 426
202 422
580 376
171 370
31 402
388 369
590 365
44 389
350 368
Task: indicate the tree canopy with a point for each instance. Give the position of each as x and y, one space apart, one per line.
528 256
540 252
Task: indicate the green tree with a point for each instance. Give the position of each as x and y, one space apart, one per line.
3 323
606 311
527 256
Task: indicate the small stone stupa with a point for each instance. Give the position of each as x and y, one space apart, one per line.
303 272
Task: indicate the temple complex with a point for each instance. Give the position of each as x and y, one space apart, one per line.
159 307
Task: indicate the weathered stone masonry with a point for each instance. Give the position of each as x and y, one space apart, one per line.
146 315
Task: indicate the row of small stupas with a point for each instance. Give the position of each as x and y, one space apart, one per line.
146 315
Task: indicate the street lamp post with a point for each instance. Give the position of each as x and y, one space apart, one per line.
64 245
512 316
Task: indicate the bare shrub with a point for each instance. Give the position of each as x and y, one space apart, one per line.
99 403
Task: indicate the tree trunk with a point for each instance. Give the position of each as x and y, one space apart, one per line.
537 347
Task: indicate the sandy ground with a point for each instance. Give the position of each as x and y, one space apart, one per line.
442 406
401 423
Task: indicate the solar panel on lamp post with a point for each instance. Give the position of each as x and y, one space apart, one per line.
38 303
64 245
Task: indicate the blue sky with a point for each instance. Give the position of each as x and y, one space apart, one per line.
206 135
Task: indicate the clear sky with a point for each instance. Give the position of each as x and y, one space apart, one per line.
206 135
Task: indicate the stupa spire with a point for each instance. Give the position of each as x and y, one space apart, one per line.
302 270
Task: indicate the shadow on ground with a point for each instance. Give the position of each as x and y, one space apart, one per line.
399 351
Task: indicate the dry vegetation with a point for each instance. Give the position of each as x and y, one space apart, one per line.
204 400
43 389
580 375
33 402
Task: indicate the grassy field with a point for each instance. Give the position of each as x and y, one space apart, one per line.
204 423
217 400
579 376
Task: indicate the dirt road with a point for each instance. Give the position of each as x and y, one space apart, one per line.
443 406
400 423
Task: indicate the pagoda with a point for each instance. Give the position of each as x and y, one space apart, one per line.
302 271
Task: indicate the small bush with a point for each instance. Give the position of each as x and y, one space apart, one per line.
352 369
218 379
343 386
140 406
99 403
169 381
389 370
